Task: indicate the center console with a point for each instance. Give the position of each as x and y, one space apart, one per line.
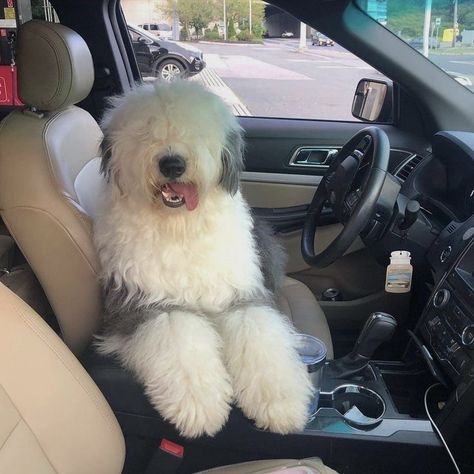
372 414
448 323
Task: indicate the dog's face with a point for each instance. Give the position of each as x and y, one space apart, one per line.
171 144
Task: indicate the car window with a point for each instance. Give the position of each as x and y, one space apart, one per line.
134 35
441 30
255 60
141 32
11 16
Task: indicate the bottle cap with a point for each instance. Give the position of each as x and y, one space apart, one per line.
400 255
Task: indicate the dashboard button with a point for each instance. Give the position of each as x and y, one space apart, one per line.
467 337
441 298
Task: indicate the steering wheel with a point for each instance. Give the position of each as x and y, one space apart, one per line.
351 187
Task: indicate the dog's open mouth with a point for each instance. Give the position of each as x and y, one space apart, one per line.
179 194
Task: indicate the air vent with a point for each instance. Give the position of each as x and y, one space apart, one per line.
408 167
451 228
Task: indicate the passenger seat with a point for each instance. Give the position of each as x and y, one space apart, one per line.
54 419
50 185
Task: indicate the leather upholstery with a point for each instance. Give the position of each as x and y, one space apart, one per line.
280 466
50 186
298 302
55 66
40 159
53 417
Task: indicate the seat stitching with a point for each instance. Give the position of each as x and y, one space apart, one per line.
59 88
56 181
62 226
14 428
29 427
58 319
99 404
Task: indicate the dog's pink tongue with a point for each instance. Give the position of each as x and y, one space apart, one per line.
190 193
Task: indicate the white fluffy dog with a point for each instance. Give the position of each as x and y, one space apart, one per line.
187 283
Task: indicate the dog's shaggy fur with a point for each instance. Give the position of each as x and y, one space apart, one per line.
189 293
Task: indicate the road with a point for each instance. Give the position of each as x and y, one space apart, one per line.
461 64
274 80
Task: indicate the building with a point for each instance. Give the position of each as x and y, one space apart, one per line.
143 11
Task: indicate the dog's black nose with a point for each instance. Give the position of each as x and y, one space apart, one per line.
172 166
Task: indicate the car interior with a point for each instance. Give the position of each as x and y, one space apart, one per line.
404 360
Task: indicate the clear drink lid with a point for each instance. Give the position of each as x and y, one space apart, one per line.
311 350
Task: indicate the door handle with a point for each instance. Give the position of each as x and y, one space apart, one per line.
313 156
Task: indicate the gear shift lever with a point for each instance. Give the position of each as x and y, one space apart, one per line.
378 328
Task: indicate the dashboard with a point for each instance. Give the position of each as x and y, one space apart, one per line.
442 181
447 324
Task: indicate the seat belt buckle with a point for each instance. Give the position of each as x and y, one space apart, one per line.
167 458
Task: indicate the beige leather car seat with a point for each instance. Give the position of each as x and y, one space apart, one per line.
54 420
53 417
50 183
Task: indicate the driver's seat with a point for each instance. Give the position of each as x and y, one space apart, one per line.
50 183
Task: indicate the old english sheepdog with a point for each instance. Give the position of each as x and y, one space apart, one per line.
188 276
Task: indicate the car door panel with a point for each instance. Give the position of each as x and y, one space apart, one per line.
266 194
271 143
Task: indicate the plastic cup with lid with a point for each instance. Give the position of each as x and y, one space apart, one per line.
313 353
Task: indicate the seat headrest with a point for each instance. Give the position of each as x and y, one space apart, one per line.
55 66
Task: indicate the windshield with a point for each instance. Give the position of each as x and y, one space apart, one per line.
441 30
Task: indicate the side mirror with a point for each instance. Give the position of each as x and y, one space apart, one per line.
373 101
144 40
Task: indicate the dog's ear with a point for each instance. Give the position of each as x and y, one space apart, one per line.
106 167
106 153
232 160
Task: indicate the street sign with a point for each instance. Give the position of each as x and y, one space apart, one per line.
438 21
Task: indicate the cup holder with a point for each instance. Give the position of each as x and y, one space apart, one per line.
359 406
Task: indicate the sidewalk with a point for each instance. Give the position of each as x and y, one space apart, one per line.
210 79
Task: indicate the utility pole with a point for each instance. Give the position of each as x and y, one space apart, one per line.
225 22
455 22
302 45
250 16
426 28
175 21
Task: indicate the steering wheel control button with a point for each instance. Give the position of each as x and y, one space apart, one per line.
441 298
467 337
445 254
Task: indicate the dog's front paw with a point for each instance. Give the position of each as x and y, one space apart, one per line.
177 356
285 415
279 403
197 411
271 383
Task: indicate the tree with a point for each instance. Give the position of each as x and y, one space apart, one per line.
406 17
238 12
192 14
466 16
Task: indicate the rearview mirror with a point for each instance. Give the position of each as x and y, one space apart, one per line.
372 101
